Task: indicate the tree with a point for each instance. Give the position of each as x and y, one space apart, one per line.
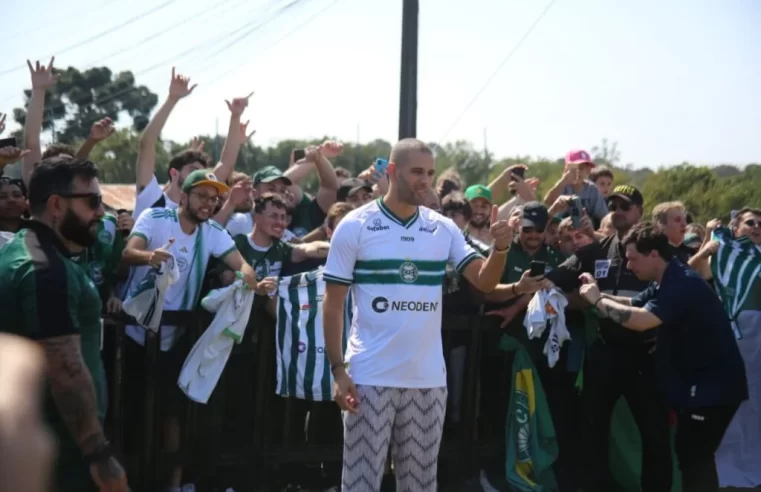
116 158
79 99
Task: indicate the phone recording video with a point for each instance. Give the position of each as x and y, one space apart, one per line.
299 154
537 268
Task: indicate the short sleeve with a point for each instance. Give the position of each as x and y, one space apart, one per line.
460 252
669 305
599 208
47 301
147 197
144 226
220 242
240 224
344 247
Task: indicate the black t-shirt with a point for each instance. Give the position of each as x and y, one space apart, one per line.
606 261
697 358
681 253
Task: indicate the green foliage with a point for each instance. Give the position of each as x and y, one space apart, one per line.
79 99
707 192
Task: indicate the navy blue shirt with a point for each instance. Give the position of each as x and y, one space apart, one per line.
697 357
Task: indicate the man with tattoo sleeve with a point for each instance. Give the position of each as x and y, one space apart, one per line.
620 362
698 362
48 298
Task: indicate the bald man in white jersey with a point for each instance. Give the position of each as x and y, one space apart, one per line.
391 383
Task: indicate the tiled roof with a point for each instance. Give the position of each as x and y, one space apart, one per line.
118 196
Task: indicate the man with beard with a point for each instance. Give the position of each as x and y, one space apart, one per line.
393 254
480 199
620 362
46 297
192 239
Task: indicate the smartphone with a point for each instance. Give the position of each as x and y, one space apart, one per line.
381 165
7 142
575 211
299 154
537 268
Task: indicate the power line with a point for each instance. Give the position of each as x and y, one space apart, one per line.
45 24
496 72
272 46
99 35
280 11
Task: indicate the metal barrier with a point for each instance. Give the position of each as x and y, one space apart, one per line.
267 446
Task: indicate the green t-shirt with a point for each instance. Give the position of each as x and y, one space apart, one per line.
518 261
267 262
43 294
307 216
101 260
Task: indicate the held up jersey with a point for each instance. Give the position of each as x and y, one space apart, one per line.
396 269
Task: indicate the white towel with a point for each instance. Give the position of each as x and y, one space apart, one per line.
204 365
146 302
548 306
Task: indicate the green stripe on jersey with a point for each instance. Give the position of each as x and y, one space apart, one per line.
395 264
396 279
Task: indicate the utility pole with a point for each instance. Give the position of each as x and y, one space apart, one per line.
408 86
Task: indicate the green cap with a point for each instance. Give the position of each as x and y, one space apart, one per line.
268 174
478 191
201 177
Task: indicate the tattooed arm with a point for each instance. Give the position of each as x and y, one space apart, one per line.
73 391
634 318
626 301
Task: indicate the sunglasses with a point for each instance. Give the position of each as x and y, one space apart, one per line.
752 223
529 230
94 200
622 206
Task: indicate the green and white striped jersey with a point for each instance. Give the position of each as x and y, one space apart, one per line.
736 270
303 369
396 269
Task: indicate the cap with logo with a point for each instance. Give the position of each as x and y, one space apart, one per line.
350 186
578 156
203 177
268 174
535 215
627 193
478 191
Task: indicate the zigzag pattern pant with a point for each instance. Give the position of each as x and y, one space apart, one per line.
411 421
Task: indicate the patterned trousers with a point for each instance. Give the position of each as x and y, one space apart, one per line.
410 421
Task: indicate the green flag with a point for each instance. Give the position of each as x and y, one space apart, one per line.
531 443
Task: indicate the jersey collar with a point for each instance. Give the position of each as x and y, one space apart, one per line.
48 235
388 213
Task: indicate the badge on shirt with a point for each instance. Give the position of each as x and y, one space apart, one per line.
601 268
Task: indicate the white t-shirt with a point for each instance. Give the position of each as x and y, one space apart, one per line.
151 194
191 252
396 271
240 223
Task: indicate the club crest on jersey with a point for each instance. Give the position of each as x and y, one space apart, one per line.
105 237
408 272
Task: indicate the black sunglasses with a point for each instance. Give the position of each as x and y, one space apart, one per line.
94 200
752 223
623 206
529 230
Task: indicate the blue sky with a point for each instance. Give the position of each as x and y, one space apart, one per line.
668 80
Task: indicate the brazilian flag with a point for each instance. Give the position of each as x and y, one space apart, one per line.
531 443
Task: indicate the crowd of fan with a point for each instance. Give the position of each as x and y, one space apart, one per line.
278 229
